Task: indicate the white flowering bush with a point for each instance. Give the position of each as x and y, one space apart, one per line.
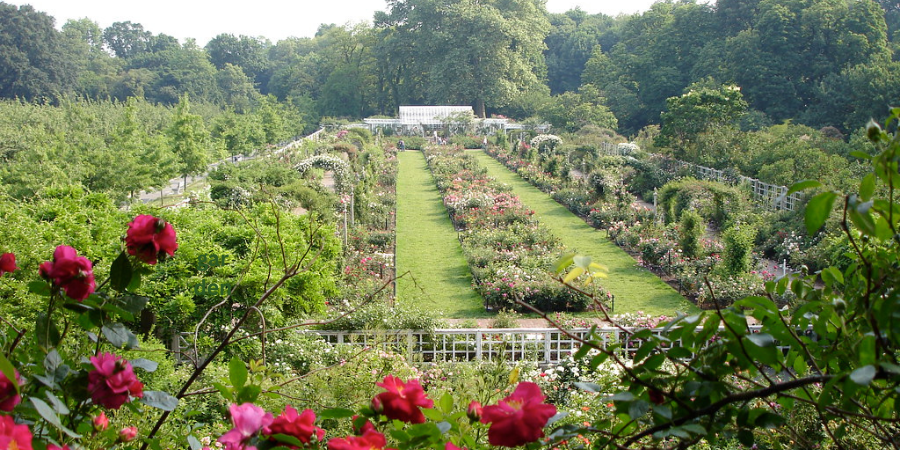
343 181
546 143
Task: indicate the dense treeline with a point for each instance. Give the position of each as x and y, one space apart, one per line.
817 62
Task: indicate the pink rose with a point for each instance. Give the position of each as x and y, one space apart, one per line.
14 436
100 422
113 382
9 396
150 238
71 272
128 434
248 419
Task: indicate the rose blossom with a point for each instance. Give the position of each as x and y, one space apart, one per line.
112 381
300 426
370 440
402 400
7 263
248 419
474 411
14 436
9 396
128 434
150 238
519 418
69 271
100 422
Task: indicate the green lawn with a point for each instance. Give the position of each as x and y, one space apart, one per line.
635 288
428 247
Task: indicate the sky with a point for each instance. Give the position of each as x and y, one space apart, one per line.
272 19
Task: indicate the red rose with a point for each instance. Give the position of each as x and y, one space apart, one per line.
113 382
7 263
71 272
14 436
370 440
300 426
9 396
150 238
402 400
520 418
101 423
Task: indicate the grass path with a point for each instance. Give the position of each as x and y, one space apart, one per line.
428 248
635 288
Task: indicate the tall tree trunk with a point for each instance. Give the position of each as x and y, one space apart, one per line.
479 108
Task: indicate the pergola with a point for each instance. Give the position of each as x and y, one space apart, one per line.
418 120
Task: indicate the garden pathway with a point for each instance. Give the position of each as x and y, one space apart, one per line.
428 247
635 288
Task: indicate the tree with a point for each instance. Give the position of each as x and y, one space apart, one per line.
32 59
127 39
505 58
248 53
189 140
573 37
571 111
697 110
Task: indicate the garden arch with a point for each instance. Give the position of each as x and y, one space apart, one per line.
342 176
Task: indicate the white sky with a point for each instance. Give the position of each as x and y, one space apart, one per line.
273 19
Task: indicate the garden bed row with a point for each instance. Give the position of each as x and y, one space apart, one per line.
508 251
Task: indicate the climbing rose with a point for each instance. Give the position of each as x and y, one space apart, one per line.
366 426
128 434
14 436
248 419
7 263
9 396
150 238
300 426
69 271
520 418
112 381
370 440
402 400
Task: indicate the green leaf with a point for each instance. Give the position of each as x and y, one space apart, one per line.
237 373
563 263
638 408
589 387
817 210
48 414
863 221
248 393
803 185
287 439
446 403
58 405
120 273
119 336
46 332
194 443
761 339
863 375
39 288
159 400
336 413
146 364
867 187
432 414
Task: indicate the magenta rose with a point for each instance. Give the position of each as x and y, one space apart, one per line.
248 419
149 238
112 383
73 273
9 396
301 426
7 263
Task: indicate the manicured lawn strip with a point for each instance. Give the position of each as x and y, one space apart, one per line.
635 288
428 247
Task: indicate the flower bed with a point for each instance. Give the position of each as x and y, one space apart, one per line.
507 250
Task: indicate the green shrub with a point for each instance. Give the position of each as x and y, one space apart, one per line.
738 253
692 229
